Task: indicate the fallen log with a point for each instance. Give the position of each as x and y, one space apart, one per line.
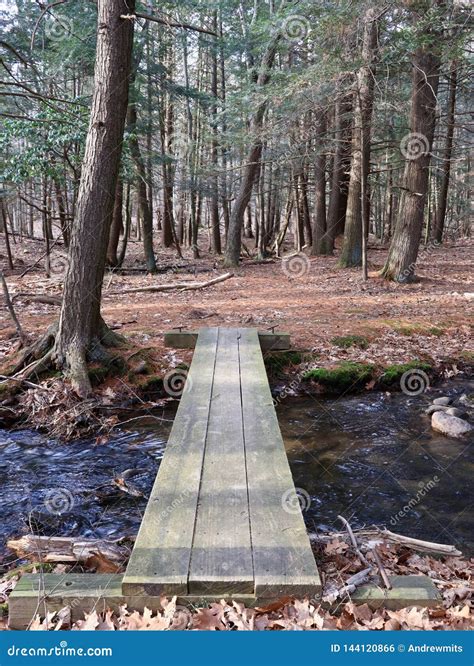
39 298
182 286
66 549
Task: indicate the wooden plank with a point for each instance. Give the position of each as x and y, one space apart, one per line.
274 341
181 339
221 560
160 559
282 556
38 594
187 340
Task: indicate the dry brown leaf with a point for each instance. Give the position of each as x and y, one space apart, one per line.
209 619
90 622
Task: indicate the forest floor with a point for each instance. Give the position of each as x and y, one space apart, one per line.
399 323
395 324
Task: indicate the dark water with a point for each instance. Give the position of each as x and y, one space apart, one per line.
367 457
364 457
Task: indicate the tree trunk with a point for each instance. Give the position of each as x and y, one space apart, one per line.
144 205
81 328
403 252
363 102
336 217
116 227
446 157
320 240
216 234
252 166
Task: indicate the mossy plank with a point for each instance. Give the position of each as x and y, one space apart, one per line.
406 591
221 561
283 560
161 557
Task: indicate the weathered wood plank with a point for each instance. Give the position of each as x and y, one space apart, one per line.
187 340
282 556
37 594
221 560
160 559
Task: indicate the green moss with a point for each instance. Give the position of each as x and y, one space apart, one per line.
417 328
405 330
346 341
435 330
393 373
99 372
153 384
346 375
276 362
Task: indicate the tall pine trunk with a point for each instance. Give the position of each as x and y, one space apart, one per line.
403 251
351 254
81 328
252 166
446 156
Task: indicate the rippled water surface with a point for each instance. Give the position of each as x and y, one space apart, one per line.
364 457
368 457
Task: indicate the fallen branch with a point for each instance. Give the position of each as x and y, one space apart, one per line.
40 298
355 545
66 549
5 378
418 544
11 310
349 586
183 286
383 573
377 536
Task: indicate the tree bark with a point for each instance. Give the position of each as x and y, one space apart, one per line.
144 205
320 244
252 166
351 254
446 157
81 328
403 251
216 234
336 216
116 226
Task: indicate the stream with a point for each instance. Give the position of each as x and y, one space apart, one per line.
365 457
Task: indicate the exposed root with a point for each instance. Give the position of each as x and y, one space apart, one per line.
44 356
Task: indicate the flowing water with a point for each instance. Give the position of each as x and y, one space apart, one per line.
372 458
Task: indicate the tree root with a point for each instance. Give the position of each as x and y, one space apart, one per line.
42 356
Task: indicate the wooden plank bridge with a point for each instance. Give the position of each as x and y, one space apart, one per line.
217 523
